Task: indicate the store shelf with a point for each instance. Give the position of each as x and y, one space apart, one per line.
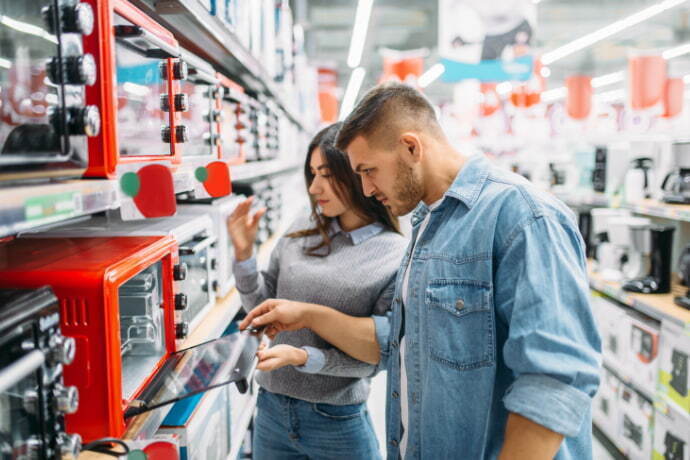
23 208
253 171
658 306
656 208
650 395
241 429
205 35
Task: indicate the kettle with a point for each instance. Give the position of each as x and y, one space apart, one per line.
676 186
639 180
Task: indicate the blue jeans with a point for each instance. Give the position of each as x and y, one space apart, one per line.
289 429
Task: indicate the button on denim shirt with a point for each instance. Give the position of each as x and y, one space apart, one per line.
497 321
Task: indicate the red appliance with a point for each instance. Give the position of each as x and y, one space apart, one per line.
117 302
137 77
233 121
96 280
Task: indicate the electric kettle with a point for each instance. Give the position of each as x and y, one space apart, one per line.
639 180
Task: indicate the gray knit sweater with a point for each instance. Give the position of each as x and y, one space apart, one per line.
357 278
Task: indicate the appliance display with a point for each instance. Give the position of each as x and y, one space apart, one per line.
676 185
679 372
610 166
195 291
636 424
675 447
684 271
674 366
33 399
607 256
658 281
139 77
639 180
629 238
233 121
671 434
44 117
117 302
219 210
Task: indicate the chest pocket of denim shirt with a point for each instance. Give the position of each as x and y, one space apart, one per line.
460 320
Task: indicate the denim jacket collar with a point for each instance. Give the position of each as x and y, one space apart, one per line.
465 188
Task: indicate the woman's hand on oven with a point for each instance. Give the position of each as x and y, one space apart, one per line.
242 228
279 315
279 356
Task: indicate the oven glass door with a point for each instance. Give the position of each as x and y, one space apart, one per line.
203 140
196 253
142 327
229 359
228 130
140 85
20 428
32 104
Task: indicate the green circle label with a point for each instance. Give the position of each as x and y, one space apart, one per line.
201 174
130 184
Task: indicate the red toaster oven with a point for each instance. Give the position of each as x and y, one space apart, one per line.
117 301
138 74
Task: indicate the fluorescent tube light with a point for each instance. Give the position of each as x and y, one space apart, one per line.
353 86
608 79
359 32
677 51
607 31
431 75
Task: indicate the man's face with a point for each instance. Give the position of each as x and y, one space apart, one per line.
386 176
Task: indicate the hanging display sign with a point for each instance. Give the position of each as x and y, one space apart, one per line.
487 41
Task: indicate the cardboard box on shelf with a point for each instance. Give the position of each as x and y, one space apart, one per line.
635 424
674 365
605 407
642 354
614 328
671 434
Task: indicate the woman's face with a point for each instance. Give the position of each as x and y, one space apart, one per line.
321 188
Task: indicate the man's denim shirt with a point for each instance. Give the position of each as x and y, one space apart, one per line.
498 320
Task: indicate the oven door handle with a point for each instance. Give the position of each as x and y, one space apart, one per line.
198 246
19 369
164 49
164 46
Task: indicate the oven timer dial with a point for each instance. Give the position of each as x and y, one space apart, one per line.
181 302
34 447
181 330
180 272
80 121
77 18
66 399
62 349
70 446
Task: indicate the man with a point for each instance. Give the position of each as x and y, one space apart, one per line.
491 347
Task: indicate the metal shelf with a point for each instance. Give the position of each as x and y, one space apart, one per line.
253 171
680 212
205 35
658 306
30 206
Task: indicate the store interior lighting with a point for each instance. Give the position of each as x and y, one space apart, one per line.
353 87
359 32
431 75
615 27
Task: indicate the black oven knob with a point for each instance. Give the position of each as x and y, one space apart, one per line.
62 349
77 19
214 93
214 264
204 285
181 302
213 140
180 101
75 70
180 71
80 120
66 399
30 402
214 116
181 134
181 330
215 285
180 272
70 446
34 448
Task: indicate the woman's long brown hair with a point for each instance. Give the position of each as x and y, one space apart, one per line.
347 185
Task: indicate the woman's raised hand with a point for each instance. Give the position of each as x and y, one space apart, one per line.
242 228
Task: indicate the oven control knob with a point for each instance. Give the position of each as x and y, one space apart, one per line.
70 446
180 103
30 402
213 140
72 70
80 121
214 264
214 116
214 93
180 71
180 272
77 18
181 330
62 349
66 399
215 285
34 446
181 134
240 140
181 301
240 126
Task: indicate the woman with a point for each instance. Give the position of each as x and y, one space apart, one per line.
313 398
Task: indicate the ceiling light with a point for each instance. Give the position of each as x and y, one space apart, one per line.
353 86
431 75
609 30
359 32
677 51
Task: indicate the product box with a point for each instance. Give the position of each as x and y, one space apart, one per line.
201 422
674 365
635 424
642 354
671 434
605 406
614 328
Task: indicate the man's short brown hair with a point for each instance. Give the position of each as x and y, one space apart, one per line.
384 112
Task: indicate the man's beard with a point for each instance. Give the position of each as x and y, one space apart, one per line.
408 189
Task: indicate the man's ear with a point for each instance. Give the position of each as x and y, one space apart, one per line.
413 146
